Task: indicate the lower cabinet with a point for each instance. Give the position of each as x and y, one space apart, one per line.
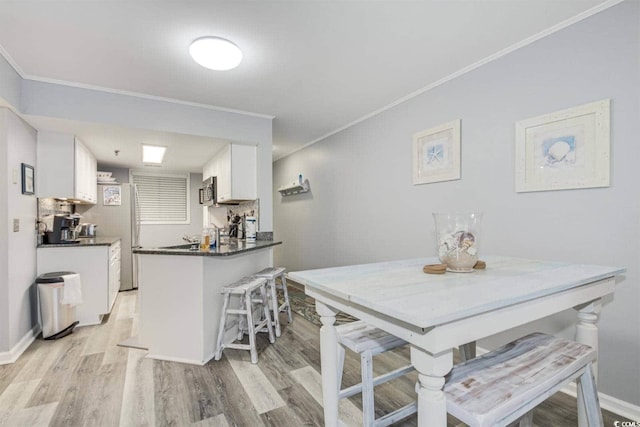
99 269
114 273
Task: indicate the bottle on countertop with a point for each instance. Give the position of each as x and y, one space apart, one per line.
214 233
205 240
250 231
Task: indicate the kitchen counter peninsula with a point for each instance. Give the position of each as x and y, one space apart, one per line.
232 248
180 299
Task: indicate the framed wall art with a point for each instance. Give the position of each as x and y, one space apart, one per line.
28 179
564 150
436 154
111 195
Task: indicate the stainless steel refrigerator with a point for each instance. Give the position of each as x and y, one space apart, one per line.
121 221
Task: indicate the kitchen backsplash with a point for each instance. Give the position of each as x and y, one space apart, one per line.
225 216
236 217
244 209
47 208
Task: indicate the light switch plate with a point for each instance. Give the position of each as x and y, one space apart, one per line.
16 225
15 176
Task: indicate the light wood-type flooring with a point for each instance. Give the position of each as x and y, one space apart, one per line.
85 379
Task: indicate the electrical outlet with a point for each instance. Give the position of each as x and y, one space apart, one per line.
16 225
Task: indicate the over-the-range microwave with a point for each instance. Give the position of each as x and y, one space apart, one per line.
208 191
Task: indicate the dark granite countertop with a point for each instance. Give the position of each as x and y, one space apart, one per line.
83 241
233 248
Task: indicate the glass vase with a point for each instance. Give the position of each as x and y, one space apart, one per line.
457 239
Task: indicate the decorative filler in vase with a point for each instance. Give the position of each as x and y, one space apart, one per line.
457 239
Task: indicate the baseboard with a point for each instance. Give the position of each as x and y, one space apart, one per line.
12 355
609 403
179 359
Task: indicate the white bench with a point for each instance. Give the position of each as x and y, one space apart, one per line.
504 385
245 288
368 341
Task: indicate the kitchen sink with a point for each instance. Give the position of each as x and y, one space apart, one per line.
185 246
193 247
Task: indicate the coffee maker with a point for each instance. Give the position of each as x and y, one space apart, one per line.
63 229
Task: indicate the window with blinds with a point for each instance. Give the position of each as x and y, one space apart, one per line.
162 198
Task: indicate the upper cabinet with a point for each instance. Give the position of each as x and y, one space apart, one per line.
66 168
236 169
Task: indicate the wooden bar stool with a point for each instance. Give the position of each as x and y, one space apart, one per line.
245 288
368 341
505 385
271 273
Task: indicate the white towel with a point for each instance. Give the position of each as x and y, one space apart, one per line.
72 292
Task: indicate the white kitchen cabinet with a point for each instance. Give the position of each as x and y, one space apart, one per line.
66 168
210 169
236 169
86 172
99 269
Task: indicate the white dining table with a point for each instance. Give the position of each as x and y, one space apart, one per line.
437 313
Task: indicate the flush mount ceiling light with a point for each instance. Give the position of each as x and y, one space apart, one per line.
152 154
215 53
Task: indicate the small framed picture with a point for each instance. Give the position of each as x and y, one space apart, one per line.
28 179
111 195
436 154
565 149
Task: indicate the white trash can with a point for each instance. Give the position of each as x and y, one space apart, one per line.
57 320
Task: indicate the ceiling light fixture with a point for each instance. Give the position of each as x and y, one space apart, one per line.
153 154
215 53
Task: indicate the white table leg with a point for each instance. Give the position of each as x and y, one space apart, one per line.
587 333
432 407
329 363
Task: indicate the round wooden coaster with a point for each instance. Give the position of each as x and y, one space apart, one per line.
435 268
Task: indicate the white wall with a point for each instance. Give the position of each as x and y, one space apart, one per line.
362 206
5 177
9 84
17 249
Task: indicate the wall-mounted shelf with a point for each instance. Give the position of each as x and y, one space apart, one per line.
294 188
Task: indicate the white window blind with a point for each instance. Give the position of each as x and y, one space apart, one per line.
162 198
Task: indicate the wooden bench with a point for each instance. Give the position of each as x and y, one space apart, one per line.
368 341
505 385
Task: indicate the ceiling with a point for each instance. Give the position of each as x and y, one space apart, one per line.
317 66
